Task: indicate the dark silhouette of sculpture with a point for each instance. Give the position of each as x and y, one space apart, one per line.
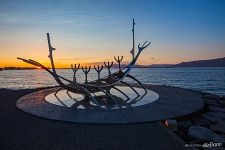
86 70
108 66
98 70
75 68
104 84
119 59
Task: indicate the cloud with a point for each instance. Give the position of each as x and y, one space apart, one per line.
75 58
93 63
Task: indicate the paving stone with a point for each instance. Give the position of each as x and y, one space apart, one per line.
204 134
182 135
22 131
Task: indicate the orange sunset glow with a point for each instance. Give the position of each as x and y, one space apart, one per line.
69 53
81 36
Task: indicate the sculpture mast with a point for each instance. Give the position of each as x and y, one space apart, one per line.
50 52
132 51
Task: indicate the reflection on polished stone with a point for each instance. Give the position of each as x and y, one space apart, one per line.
166 103
75 100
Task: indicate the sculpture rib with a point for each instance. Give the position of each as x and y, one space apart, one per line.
101 84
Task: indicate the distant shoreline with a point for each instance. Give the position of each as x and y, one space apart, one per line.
1 69
219 62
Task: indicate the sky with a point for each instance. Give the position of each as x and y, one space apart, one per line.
93 31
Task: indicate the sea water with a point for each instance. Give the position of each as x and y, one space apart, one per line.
208 79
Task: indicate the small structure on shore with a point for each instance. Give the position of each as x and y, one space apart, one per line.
101 84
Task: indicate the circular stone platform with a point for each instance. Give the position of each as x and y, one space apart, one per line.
160 103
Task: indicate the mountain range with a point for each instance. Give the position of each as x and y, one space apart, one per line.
219 62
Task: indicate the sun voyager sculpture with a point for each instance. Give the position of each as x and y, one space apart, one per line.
104 85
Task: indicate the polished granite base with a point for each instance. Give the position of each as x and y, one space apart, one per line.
160 103
68 99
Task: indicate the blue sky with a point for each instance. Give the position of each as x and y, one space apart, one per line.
96 30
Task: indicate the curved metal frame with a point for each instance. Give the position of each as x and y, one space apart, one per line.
101 84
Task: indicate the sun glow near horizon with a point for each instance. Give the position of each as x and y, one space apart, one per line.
93 32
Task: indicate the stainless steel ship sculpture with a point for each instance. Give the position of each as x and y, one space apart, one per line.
104 84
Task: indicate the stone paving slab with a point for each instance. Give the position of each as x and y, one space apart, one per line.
23 131
172 103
